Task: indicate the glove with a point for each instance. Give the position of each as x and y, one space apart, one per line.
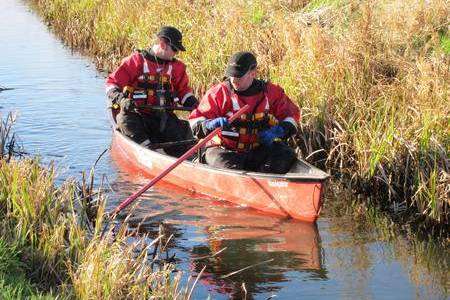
268 136
215 123
191 101
126 103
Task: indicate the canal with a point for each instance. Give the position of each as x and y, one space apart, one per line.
58 98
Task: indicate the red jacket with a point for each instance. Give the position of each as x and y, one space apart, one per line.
221 101
131 73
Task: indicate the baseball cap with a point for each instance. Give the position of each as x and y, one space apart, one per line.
240 63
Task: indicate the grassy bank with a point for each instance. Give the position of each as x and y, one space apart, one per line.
54 244
13 281
371 77
60 245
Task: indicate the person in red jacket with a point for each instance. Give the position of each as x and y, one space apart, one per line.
145 85
255 141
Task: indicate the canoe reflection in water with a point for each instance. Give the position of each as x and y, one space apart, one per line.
250 237
287 246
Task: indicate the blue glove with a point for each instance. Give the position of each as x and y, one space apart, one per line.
267 137
215 123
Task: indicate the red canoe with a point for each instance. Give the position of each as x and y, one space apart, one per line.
297 194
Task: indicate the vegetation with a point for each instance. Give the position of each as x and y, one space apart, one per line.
54 242
370 76
57 233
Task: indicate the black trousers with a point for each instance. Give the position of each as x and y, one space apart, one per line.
155 127
277 158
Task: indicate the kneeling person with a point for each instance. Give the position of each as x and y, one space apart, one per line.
253 142
153 78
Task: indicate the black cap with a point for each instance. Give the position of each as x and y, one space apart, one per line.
173 36
240 63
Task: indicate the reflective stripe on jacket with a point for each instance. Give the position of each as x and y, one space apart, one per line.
163 82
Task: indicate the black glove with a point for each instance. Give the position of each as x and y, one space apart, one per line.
126 103
191 101
117 97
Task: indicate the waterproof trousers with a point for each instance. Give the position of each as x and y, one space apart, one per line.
155 127
277 158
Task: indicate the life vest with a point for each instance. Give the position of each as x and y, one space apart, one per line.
153 86
242 135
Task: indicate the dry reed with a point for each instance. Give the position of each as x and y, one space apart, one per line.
370 76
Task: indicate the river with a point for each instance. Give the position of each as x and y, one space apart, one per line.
58 97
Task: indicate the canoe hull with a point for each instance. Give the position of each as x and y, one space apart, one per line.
290 197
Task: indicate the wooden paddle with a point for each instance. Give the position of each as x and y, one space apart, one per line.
185 156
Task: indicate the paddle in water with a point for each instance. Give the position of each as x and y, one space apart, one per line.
185 156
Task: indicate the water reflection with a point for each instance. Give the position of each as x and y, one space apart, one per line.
283 246
250 238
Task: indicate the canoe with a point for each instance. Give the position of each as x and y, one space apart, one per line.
297 194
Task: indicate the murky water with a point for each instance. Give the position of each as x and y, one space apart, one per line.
58 97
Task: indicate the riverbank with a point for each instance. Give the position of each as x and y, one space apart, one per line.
61 248
369 76
53 240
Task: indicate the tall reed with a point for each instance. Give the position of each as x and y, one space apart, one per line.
370 76
63 240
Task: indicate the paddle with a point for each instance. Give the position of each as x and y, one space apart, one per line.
186 155
156 107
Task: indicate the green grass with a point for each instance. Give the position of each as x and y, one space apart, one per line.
445 43
13 281
58 232
315 4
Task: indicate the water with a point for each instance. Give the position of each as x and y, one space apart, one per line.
62 117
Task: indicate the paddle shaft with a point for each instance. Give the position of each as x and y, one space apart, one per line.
186 155
156 107
172 144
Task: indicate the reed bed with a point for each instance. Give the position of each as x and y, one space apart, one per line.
372 77
66 248
54 243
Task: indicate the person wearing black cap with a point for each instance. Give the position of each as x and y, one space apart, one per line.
255 142
153 78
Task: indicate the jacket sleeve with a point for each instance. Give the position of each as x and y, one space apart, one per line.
124 75
181 85
286 112
207 109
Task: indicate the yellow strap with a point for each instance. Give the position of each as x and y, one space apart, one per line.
128 89
259 116
272 120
